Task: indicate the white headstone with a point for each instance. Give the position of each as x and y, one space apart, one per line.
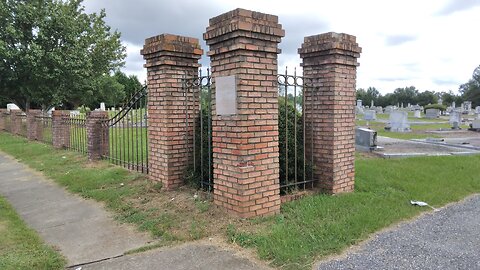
359 103
102 106
369 115
453 104
432 113
388 109
417 114
12 106
455 119
75 113
379 109
476 124
371 104
399 121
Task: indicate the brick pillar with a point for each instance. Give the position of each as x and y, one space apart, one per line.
244 44
97 135
15 122
60 129
2 119
330 59
32 124
169 58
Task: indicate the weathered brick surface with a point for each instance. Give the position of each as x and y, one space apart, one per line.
60 129
15 121
32 124
169 58
330 60
245 145
97 135
3 116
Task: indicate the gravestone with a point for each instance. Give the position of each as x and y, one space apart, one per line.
455 119
379 109
74 113
389 109
369 115
432 113
12 106
453 104
399 121
102 106
476 124
372 104
359 110
359 103
365 138
477 110
417 114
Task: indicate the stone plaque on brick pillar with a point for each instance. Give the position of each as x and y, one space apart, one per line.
244 44
169 58
330 61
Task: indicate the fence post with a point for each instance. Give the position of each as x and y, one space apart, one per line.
97 135
330 61
3 114
169 58
243 53
32 124
60 129
15 122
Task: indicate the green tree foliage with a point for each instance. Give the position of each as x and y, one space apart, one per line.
426 97
130 83
53 53
471 90
368 95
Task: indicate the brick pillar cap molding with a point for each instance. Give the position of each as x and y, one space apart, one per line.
98 114
328 44
171 45
243 23
59 112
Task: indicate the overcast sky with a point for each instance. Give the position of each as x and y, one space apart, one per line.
430 44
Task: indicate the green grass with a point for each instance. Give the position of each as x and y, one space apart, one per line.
320 225
21 247
306 230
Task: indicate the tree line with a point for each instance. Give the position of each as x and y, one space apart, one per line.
52 53
469 91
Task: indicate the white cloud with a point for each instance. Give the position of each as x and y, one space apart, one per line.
430 44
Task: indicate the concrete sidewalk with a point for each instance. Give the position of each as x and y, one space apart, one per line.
85 233
446 239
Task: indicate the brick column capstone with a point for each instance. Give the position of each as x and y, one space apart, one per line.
244 44
97 135
330 61
169 58
32 124
60 129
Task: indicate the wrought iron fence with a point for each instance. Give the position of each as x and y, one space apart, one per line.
198 122
127 134
77 129
44 128
295 134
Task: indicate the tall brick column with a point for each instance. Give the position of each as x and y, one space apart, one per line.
330 59
169 58
15 122
60 129
244 44
3 114
97 135
32 124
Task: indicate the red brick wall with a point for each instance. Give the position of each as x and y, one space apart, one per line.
169 58
330 59
60 131
245 146
32 124
15 121
97 135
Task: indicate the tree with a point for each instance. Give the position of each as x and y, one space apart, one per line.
130 83
426 97
52 53
471 90
405 95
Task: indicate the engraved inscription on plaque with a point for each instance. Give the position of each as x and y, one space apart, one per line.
226 95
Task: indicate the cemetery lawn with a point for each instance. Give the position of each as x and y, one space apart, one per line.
306 230
21 247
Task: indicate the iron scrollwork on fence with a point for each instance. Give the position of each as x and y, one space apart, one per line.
198 129
127 134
